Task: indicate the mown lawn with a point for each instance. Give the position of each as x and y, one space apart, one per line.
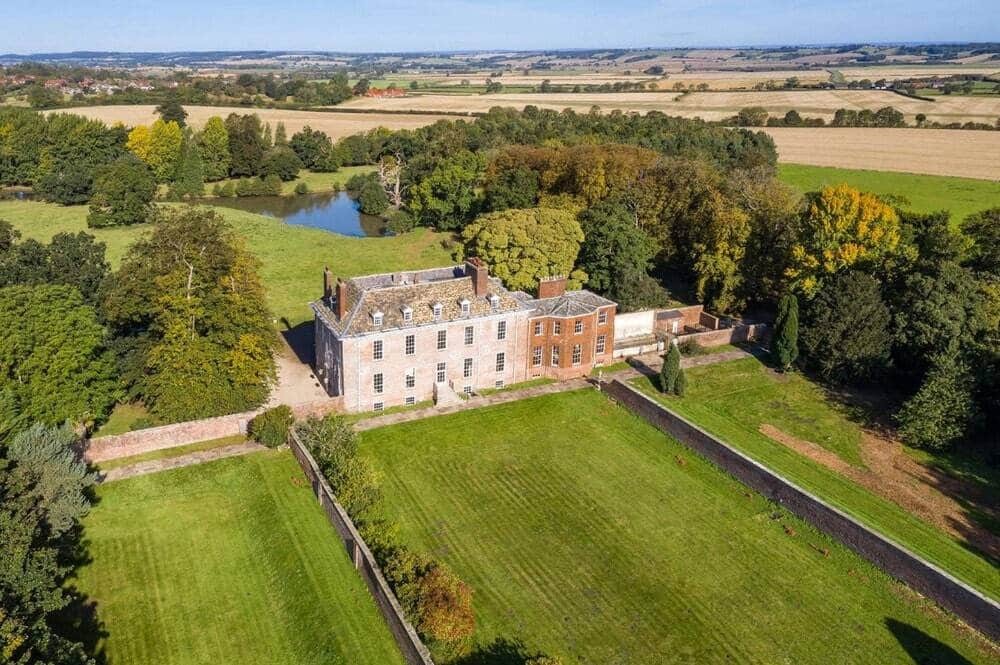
292 257
227 562
732 400
169 453
589 535
925 193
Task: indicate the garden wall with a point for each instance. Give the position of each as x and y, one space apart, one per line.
406 637
973 607
180 434
740 333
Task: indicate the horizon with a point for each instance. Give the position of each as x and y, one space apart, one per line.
398 26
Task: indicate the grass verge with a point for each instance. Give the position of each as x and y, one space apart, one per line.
168 453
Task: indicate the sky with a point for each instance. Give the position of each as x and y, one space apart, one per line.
439 25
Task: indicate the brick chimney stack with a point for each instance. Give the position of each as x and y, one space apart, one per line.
551 287
480 275
340 307
327 283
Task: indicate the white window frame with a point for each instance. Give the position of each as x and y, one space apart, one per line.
410 378
378 383
442 340
378 407
466 307
602 342
501 330
437 310
498 384
409 400
602 317
557 327
578 327
467 390
554 356
470 335
407 315
577 356
378 350
467 368
377 319
539 328
536 356
441 372
501 362
410 345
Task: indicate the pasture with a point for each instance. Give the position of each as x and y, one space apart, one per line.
231 561
789 424
292 257
588 535
923 193
961 153
336 125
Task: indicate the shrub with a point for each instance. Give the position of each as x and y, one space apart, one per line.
443 606
671 368
272 185
271 427
228 189
400 221
301 188
690 347
680 385
372 198
282 162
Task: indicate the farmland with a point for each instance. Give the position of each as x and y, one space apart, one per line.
336 125
751 409
292 257
705 105
923 193
589 535
231 561
962 153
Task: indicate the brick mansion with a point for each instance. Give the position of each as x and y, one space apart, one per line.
401 338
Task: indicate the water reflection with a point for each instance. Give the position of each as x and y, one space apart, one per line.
336 212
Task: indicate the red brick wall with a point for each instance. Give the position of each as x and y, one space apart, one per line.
566 340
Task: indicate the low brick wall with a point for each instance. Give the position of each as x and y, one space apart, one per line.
179 434
406 637
974 608
741 333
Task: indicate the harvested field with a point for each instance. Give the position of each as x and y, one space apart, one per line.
582 102
336 125
904 71
968 154
728 80
707 105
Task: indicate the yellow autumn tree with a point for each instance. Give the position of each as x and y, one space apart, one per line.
159 146
842 227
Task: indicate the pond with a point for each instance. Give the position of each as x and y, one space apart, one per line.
333 211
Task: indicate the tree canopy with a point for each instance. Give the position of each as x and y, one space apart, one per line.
522 246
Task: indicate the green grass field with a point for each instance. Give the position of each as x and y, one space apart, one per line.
292 257
589 535
227 562
925 193
169 453
732 400
316 182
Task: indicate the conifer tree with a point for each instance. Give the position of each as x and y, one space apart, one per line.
785 345
671 370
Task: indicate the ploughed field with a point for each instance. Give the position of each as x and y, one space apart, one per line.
231 561
587 534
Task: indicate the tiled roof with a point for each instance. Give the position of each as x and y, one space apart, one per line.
419 291
571 303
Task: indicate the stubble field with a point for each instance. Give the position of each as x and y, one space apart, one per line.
336 125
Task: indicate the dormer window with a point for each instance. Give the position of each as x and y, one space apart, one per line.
466 307
377 319
494 301
407 315
437 310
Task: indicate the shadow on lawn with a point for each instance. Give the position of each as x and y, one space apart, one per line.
501 651
78 620
922 648
301 339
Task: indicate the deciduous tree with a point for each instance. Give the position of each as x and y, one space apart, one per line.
213 140
523 245
123 194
